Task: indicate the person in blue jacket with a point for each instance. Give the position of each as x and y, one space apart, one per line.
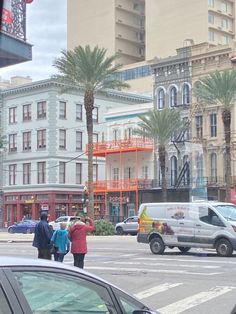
61 242
42 237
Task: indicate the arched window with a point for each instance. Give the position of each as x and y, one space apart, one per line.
161 98
213 165
186 179
186 94
173 172
173 96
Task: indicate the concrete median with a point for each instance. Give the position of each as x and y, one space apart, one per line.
15 237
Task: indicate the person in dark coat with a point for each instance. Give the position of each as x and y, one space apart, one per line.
42 237
78 234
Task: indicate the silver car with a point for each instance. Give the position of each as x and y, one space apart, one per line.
55 225
39 286
128 226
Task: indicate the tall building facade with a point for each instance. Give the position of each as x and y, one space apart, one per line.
45 161
143 29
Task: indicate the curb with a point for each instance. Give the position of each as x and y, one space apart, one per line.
15 241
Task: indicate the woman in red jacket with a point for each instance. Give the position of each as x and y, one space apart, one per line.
77 235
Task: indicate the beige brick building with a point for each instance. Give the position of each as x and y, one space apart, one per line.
140 30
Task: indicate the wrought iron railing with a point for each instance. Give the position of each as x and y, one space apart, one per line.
17 27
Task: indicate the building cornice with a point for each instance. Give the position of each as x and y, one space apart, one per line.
52 83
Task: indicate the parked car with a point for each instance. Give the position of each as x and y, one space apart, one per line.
128 226
55 225
23 226
41 286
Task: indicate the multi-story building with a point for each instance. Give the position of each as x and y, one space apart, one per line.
45 162
14 49
140 31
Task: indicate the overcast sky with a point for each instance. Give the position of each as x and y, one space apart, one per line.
46 31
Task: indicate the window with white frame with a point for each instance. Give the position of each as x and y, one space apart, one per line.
12 142
224 40
79 112
161 98
223 6
27 173
62 139
41 172
144 172
173 96
199 126
186 178
12 174
79 143
128 133
199 168
12 115
128 172
213 162
95 172
41 139
27 112
224 23
78 173
213 124
186 131
26 141
62 172
115 135
186 94
95 137
95 114
62 110
211 35
211 3
41 110
115 173
210 18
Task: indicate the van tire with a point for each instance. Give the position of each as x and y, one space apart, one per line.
184 249
157 246
224 248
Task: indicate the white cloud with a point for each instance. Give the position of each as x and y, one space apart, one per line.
46 31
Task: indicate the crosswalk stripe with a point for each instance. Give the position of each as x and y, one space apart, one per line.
157 289
164 264
187 259
168 271
194 300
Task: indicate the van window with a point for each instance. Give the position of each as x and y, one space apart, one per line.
227 211
206 214
157 211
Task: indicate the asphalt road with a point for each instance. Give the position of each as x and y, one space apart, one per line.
197 282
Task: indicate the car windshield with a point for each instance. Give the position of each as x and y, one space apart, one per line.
227 211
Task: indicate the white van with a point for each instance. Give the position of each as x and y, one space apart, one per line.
185 225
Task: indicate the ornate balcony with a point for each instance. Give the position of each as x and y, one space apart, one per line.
101 149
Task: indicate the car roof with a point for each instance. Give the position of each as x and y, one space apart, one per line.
11 262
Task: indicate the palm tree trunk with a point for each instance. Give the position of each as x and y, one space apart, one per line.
155 162
226 118
89 106
162 161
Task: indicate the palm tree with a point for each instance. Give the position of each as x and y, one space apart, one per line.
219 88
93 71
160 125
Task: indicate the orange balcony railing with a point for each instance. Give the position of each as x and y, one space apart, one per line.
125 145
121 185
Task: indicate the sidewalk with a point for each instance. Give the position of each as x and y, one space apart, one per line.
15 237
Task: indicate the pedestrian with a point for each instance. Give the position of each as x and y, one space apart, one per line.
60 242
42 237
78 236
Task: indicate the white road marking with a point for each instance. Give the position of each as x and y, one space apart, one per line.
157 289
186 260
194 300
161 264
168 271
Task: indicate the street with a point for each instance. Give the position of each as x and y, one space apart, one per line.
197 282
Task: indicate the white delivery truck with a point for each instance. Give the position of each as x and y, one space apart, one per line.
185 225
